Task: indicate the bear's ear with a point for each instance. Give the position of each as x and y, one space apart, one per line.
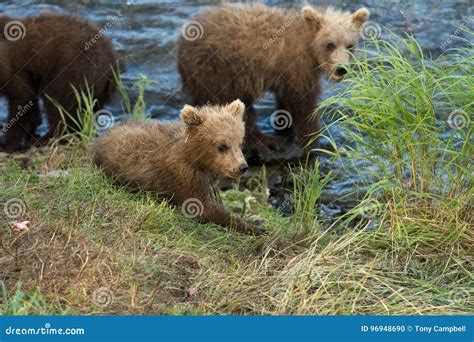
190 116
360 16
312 17
236 108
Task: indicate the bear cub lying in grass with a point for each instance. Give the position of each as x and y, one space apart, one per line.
177 159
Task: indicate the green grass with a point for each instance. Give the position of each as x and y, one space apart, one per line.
89 119
406 248
136 109
396 107
85 118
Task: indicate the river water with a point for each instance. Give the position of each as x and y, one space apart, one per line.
144 33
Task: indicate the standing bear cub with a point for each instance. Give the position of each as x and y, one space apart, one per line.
243 51
178 159
44 57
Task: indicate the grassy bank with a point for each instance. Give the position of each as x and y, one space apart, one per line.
407 248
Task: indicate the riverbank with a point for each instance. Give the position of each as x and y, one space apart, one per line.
406 247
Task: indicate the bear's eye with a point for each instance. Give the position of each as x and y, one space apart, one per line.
330 46
350 47
223 148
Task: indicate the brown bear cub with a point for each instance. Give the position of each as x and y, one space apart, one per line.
46 56
177 159
243 51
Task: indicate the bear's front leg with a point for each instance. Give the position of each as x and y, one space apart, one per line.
215 213
306 131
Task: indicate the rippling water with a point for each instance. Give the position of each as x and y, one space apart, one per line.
146 31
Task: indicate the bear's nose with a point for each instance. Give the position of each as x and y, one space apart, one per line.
340 71
243 168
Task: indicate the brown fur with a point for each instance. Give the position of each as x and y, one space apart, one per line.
177 159
236 57
50 58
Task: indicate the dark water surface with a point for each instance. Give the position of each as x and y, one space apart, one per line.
145 32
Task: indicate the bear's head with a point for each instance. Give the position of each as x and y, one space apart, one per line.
214 136
334 36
